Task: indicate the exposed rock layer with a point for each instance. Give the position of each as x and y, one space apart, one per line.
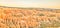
29 17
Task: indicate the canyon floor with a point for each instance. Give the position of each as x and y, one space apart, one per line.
12 17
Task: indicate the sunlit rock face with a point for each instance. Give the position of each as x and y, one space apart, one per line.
13 17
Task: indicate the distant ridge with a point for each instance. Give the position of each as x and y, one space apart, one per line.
25 8
39 9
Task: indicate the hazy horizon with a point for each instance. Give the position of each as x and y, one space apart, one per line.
31 3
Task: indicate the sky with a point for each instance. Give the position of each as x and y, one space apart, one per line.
31 3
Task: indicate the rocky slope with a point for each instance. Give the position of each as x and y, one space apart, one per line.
12 17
